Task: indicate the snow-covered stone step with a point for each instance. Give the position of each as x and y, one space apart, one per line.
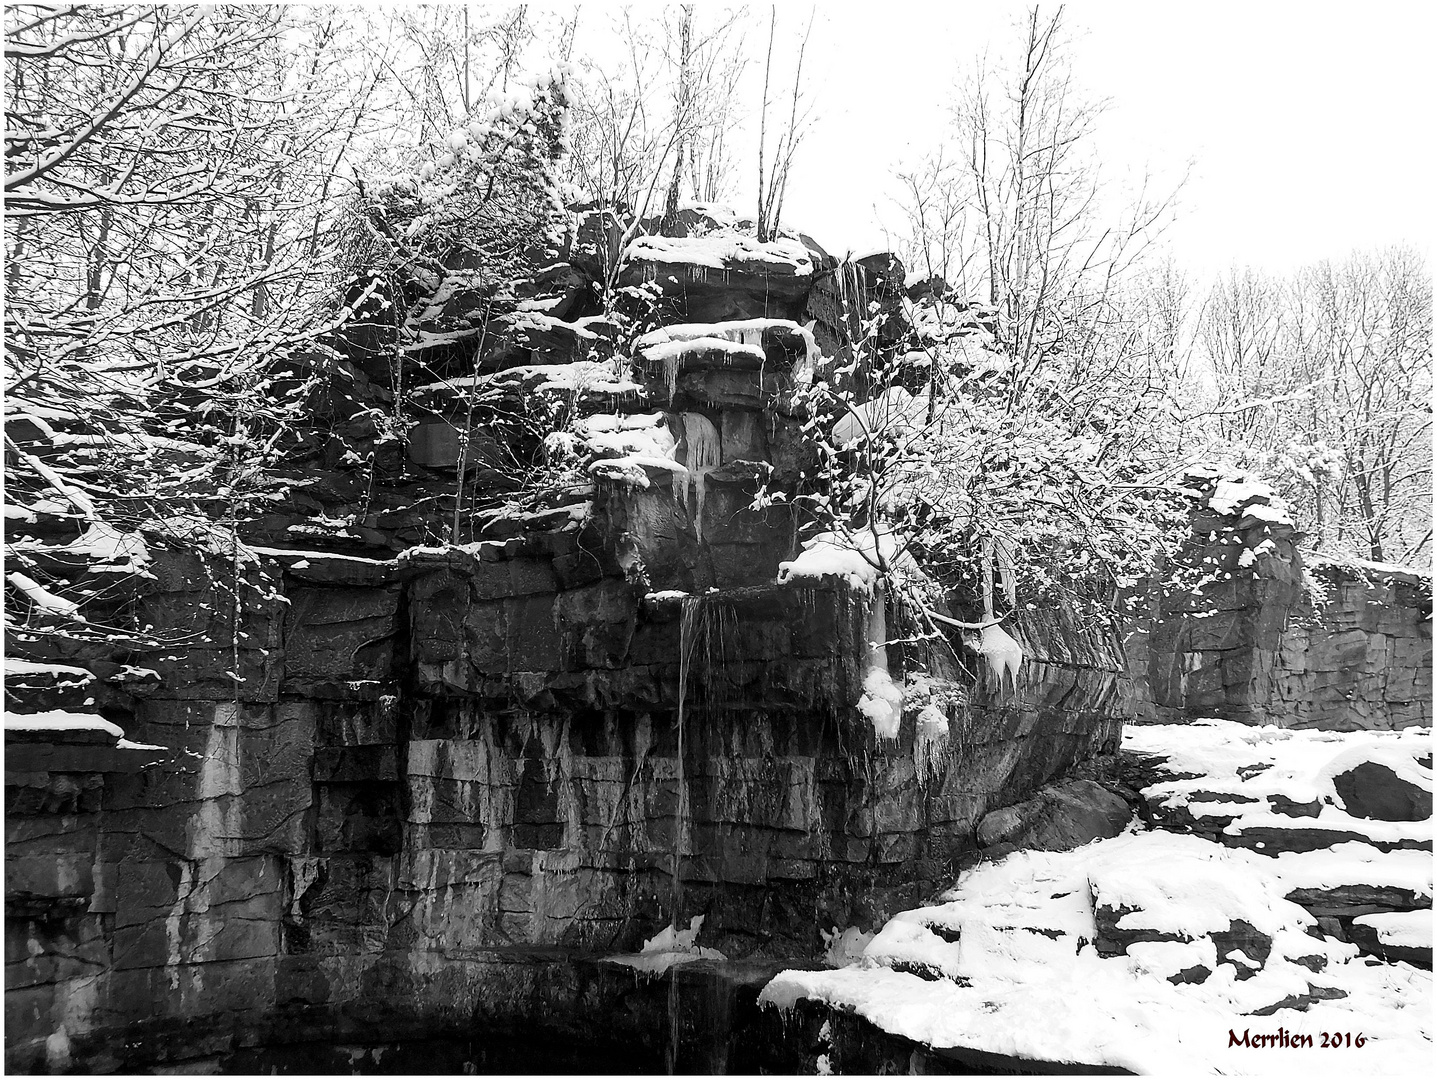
1395 935
62 726
1354 879
590 386
1275 790
758 359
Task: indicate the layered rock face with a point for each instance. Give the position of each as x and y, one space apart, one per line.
406 787
1357 653
1241 629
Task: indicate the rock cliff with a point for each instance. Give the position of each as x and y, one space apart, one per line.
389 775
1243 628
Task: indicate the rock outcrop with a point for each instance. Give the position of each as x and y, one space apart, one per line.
389 777
1061 817
1240 627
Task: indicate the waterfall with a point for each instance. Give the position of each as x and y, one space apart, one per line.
690 613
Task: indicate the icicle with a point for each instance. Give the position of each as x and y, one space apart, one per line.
702 454
671 373
882 702
803 372
1002 655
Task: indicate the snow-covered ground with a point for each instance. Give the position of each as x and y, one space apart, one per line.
1238 772
1162 952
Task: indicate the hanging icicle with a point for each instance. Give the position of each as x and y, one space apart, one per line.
882 700
699 451
1002 655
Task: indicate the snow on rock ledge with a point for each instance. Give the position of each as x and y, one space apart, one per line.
66 726
855 559
724 251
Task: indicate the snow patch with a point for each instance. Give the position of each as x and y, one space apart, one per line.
719 251
668 947
43 598
1405 929
64 674
855 558
844 947
882 703
61 720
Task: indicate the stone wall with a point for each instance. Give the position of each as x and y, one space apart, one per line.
440 767
1239 628
1357 651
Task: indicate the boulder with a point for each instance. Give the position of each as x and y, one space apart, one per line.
1061 817
1373 790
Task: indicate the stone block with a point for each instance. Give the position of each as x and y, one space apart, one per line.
1062 817
48 951
742 436
350 723
511 577
60 875
438 604
359 818
230 989
516 634
341 634
355 764
596 623
42 793
1222 630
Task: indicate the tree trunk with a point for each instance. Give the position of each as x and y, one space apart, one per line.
682 108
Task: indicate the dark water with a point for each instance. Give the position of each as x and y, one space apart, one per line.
698 1019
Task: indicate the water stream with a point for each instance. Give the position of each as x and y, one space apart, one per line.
690 613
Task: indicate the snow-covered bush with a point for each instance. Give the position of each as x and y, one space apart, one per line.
488 191
1066 501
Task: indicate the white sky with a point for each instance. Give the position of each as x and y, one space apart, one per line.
1309 126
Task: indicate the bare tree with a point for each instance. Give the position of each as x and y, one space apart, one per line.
625 141
1038 454
683 96
1016 209
937 210
168 200
1322 383
773 183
